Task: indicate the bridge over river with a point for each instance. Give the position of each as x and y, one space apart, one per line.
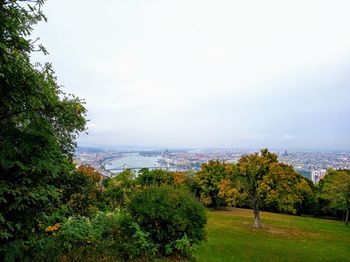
125 167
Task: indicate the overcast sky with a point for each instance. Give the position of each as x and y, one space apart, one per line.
199 73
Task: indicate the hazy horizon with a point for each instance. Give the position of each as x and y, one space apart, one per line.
205 74
185 148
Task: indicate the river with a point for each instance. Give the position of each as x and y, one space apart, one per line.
133 160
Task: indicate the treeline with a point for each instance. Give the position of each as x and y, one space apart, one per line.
260 182
257 181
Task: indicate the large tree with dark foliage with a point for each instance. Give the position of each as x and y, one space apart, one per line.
335 191
38 127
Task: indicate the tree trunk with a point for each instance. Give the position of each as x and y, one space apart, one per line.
347 216
256 216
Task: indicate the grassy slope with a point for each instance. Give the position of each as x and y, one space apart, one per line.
230 237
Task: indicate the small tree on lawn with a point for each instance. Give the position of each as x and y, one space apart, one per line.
251 170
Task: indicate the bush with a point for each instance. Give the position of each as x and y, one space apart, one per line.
124 237
174 219
107 236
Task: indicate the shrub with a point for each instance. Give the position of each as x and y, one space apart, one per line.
122 236
107 236
174 219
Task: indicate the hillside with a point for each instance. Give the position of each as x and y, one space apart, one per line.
230 237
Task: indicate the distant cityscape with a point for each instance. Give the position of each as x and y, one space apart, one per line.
312 165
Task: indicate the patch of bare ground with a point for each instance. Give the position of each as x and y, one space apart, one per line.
284 232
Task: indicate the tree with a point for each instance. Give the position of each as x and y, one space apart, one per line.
284 190
157 177
119 189
90 172
247 180
81 191
308 191
252 169
208 179
183 178
260 181
38 126
336 190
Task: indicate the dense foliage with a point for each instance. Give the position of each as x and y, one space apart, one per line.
158 177
208 179
258 181
38 127
335 192
105 236
174 219
119 189
159 220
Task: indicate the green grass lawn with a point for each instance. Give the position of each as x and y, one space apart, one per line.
231 237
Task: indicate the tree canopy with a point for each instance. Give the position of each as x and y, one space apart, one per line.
260 181
208 179
251 170
38 125
335 189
